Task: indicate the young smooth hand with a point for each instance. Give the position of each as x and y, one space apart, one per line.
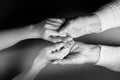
81 53
47 29
57 51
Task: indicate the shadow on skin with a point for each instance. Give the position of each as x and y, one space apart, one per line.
19 57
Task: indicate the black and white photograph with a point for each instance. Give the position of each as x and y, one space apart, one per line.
59 39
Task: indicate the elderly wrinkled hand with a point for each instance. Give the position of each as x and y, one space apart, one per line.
81 53
81 26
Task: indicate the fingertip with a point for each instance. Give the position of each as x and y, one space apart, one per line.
51 26
58 46
55 41
68 39
57 19
52 33
55 63
54 23
61 62
58 40
62 34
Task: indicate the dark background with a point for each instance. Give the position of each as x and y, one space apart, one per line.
14 13
19 13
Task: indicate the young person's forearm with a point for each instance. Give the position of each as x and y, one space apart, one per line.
11 37
30 73
110 58
109 15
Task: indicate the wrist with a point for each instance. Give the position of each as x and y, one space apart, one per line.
96 53
94 24
32 32
109 58
39 63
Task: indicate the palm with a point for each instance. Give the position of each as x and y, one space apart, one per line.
80 54
57 51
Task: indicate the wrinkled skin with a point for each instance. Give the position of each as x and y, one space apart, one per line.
81 53
81 26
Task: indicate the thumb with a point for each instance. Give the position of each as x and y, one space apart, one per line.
53 23
62 61
71 60
50 34
61 54
63 31
66 29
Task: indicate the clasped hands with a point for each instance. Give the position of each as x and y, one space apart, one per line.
68 51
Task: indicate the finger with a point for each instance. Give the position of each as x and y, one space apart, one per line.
62 62
61 39
54 40
76 47
61 53
64 31
51 33
57 20
66 39
56 47
52 26
73 49
54 23
70 43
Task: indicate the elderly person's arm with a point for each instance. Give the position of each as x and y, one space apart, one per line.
109 15
105 56
110 58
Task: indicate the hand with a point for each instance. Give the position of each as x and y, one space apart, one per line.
81 26
57 51
47 29
81 53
